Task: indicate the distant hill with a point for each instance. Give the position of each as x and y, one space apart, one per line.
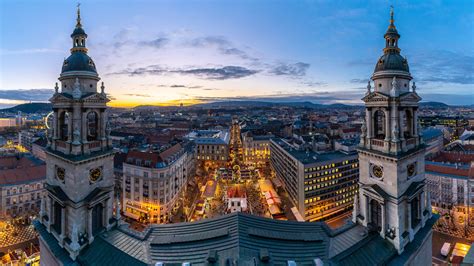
234 104
29 108
433 105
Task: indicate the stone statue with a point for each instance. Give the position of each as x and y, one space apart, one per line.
414 87
368 88
42 207
76 136
363 129
395 133
56 88
76 92
102 88
75 238
117 209
394 90
108 129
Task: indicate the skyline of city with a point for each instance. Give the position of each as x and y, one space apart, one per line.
237 180
193 59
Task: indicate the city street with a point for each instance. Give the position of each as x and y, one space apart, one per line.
438 240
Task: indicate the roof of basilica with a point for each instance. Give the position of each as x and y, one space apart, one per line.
79 61
236 239
392 61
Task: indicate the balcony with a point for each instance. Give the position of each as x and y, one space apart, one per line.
377 142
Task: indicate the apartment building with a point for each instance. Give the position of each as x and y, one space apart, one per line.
154 181
21 185
321 185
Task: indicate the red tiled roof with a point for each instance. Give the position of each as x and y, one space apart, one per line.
236 191
454 157
133 155
449 170
22 175
170 152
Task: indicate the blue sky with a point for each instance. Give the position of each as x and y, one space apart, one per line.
166 52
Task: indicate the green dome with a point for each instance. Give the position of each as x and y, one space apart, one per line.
392 61
79 61
78 31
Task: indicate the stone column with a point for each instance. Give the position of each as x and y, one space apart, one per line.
84 126
89 226
387 125
422 207
69 127
50 214
108 211
55 125
63 226
366 211
382 232
368 120
103 124
410 230
400 123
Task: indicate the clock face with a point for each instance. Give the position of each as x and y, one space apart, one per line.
60 173
95 174
377 171
411 170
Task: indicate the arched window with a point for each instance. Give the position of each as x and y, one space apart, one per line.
379 124
407 125
376 215
92 126
64 126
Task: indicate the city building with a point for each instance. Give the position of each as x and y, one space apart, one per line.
38 148
153 182
21 185
433 139
450 180
212 146
26 138
236 199
256 149
393 198
321 185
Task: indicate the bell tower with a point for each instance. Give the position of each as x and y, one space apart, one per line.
79 178
392 198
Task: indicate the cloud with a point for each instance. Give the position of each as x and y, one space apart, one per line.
314 83
443 67
222 73
30 51
156 43
360 81
37 95
217 73
222 44
289 69
137 95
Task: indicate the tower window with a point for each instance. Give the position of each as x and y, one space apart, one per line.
92 126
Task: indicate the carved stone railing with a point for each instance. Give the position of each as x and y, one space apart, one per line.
377 142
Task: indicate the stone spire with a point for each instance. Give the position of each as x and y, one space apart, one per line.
78 20
391 36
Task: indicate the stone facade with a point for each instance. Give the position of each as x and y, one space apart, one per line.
393 198
79 156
